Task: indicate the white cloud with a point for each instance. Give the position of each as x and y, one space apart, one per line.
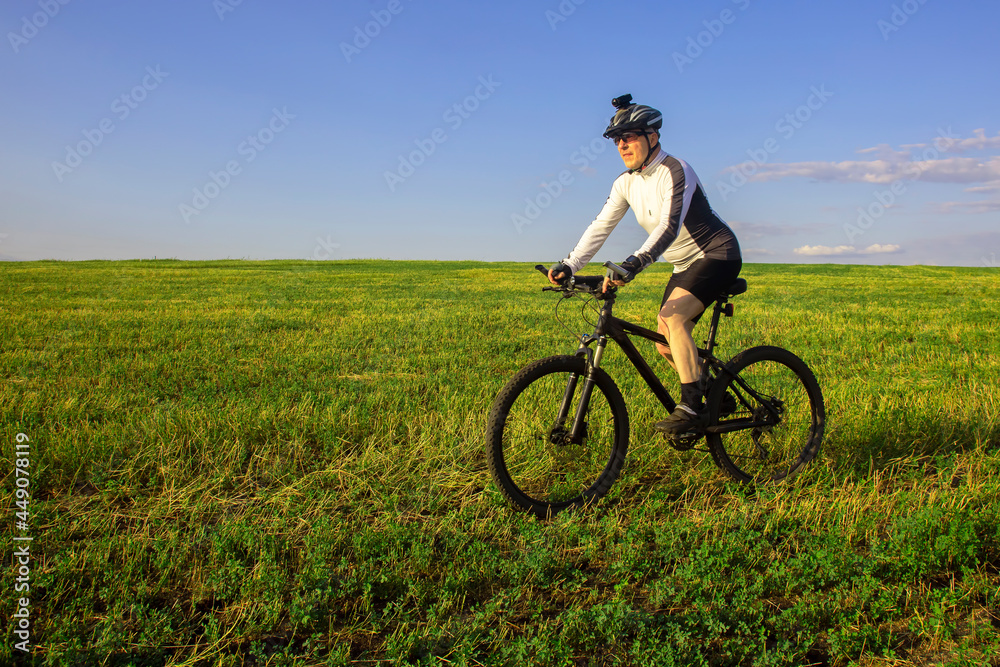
825 250
911 162
971 207
950 144
989 187
948 170
957 170
878 249
888 153
976 249
846 250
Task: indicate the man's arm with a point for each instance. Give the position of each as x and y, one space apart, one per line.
593 238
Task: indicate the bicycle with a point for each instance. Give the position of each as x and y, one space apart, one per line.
558 432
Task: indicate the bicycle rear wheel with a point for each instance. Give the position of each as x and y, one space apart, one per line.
528 446
777 425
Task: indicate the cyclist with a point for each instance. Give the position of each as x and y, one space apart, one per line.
669 203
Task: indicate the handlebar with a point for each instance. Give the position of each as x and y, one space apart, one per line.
585 283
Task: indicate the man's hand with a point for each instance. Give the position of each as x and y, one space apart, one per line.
632 265
559 273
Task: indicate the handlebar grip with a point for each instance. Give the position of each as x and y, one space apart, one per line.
617 270
592 283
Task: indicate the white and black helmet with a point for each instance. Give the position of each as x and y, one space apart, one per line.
632 117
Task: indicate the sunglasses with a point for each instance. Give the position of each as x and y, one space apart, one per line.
627 137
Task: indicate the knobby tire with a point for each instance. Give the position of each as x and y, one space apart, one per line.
779 450
532 467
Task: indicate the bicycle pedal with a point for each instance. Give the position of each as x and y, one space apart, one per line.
682 442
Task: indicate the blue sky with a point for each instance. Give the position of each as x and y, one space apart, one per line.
862 132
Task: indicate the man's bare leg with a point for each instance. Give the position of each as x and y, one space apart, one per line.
676 323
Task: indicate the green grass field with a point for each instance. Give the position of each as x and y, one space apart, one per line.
281 463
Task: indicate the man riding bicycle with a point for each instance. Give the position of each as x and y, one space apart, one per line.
669 203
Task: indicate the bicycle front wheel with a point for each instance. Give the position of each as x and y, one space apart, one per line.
534 460
766 416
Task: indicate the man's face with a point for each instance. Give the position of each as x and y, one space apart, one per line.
634 148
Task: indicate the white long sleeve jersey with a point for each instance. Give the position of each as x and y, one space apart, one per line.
671 205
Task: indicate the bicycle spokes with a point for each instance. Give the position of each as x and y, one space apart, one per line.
777 423
542 456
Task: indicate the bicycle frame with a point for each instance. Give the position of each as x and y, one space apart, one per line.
619 330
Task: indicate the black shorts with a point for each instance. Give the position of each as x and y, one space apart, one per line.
706 278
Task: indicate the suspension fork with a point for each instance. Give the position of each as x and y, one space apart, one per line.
577 430
566 402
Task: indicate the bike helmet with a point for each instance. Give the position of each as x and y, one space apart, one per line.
632 117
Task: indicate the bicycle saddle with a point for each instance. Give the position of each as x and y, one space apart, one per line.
738 287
